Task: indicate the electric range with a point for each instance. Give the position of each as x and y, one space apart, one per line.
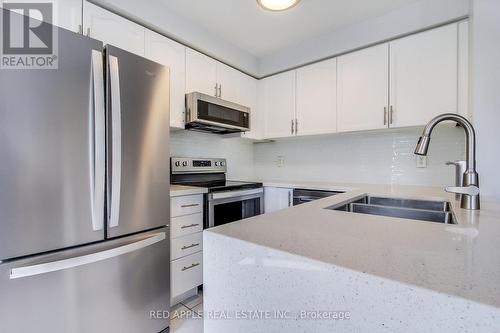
227 200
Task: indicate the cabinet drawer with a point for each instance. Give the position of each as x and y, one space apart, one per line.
185 205
186 225
186 273
186 245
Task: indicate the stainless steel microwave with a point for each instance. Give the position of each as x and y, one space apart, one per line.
211 114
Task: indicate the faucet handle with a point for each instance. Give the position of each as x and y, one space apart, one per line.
456 163
468 190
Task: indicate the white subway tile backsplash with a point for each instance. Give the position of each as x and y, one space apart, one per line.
383 157
237 151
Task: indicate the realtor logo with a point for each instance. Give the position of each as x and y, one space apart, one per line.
29 39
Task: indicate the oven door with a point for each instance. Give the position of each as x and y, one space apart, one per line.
227 207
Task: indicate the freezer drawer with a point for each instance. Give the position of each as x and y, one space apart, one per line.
107 287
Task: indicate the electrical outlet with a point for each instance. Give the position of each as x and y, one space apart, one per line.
421 161
280 161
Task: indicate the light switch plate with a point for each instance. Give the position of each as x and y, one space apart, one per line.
421 161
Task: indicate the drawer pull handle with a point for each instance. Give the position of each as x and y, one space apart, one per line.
192 266
190 225
190 205
185 247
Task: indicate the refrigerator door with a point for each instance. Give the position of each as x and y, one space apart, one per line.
52 151
137 143
119 285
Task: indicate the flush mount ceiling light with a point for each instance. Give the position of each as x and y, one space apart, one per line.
277 5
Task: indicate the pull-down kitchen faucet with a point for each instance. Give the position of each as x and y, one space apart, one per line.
470 188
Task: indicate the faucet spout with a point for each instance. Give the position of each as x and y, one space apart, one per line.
470 199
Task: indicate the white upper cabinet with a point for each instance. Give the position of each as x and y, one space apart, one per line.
172 54
317 98
229 81
113 29
278 102
67 13
248 97
362 89
201 73
423 80
463 69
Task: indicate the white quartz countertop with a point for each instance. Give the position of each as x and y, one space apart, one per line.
456 259
180 190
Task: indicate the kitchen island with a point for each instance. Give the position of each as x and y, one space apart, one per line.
311 269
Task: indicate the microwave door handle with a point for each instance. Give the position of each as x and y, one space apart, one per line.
59 265
97 143
116 138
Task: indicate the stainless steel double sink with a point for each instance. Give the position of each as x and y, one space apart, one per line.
422 210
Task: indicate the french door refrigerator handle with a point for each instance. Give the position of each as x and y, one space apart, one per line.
116 141
97 144
59 265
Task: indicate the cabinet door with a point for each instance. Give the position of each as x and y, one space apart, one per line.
276 198
113 29
279 104
248 98
363 89
424 76
463 70
172 54
201 73
67 13
229 80
317 98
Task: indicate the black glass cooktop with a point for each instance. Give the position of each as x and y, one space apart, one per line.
215 182
227 185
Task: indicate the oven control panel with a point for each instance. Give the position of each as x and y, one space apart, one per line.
180 165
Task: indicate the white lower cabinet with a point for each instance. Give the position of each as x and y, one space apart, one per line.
186 225
277 198
186 205
186 273
186 245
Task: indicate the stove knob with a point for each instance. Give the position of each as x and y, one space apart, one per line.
216 164
185 164
222 163
177 164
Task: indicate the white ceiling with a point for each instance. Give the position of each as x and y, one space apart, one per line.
261 33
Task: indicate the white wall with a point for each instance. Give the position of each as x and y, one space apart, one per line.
485 83
366 157
420 15
238 152
157 16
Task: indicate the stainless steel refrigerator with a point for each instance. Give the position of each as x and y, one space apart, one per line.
84 193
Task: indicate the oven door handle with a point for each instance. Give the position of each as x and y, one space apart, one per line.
235 194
